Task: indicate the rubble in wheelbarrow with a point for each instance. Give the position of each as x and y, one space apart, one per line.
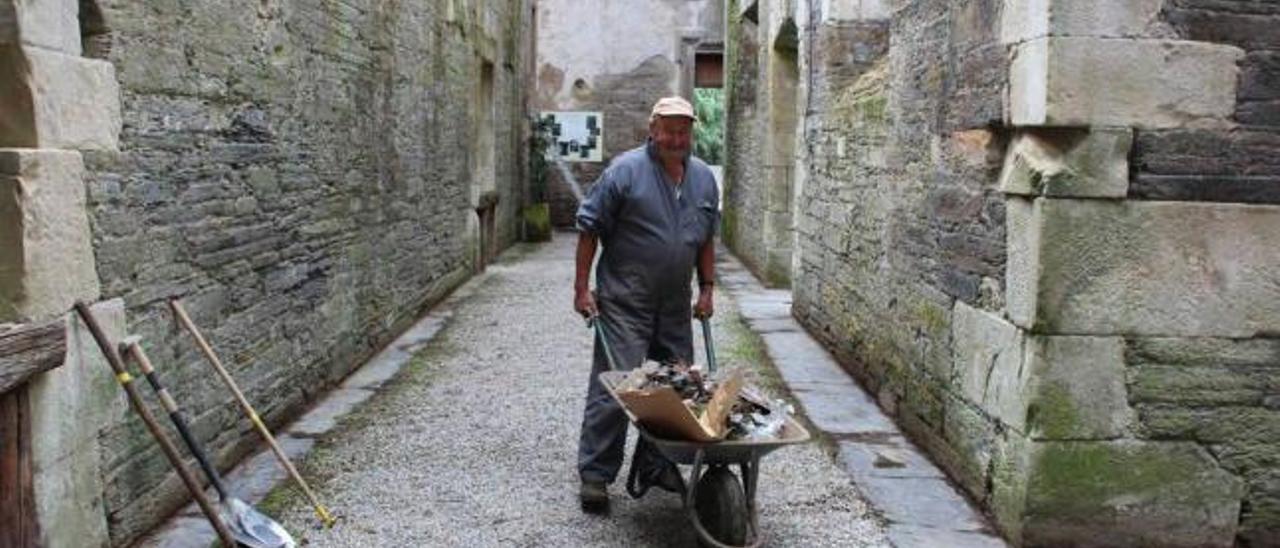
754 418
751 417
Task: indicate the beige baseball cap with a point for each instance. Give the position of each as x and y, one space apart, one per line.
672 106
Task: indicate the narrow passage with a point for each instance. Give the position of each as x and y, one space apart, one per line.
474 443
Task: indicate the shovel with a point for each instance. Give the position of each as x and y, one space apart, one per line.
250 527
135 401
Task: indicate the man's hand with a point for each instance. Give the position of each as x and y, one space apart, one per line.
704 309
584 303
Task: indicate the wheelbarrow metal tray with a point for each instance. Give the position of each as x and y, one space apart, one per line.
727 451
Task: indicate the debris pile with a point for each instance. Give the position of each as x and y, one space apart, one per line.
752 416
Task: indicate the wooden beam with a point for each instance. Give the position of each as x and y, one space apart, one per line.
17 493
27 349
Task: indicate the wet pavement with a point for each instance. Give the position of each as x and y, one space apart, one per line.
464 432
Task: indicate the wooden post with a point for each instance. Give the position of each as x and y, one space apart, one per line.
17 497
25 350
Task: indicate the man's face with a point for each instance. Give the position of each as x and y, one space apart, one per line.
673 135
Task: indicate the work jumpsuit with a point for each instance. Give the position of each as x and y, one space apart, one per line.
650 232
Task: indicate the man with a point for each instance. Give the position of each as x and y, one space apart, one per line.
655 210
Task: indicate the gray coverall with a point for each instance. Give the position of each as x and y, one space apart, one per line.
650 239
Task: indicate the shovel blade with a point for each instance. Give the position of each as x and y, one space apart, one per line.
254 529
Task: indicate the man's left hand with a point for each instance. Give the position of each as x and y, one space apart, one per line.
704 309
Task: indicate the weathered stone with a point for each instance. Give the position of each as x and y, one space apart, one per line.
1064 81
989 371
1129 493
1010 464
51 24
972 435
1023 270
57 101
1246 24
47 260
1077 388
1260 76
1030 19
1207 165
1203 352
69 407
855 10
1202 386
1219 426
1068 163
1144 268
69 501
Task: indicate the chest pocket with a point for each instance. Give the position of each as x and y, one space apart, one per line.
698 223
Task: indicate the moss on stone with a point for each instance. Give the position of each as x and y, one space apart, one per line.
1053 413
1082 478
933 317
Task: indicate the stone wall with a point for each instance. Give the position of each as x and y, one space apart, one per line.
1035 230
745 100
305 176
56 105
617 61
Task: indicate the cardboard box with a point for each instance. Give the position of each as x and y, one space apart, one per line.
662 412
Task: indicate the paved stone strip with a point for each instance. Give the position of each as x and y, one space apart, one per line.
922 507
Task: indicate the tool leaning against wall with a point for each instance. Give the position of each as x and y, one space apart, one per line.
250 527
135 401
180 313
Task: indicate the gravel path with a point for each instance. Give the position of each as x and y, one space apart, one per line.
474 443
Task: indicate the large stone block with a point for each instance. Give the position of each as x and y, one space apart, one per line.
70 405
1022 267
1047 387
1128 493
1024 20
1092 267
989 372
1077 388
57 101
1067 81
1068 163
47 261
51 24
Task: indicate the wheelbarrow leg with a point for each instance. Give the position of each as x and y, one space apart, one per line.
750 470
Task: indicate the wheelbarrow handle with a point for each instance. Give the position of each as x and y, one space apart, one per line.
711 349
596 324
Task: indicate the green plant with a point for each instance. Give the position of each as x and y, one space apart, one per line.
708 133
539 140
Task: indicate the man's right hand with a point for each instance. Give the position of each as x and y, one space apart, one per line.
584 303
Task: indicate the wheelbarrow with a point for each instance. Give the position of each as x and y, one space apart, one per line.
722 510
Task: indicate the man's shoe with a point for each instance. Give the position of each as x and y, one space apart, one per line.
594 497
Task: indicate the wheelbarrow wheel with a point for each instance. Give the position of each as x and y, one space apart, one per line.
722 506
